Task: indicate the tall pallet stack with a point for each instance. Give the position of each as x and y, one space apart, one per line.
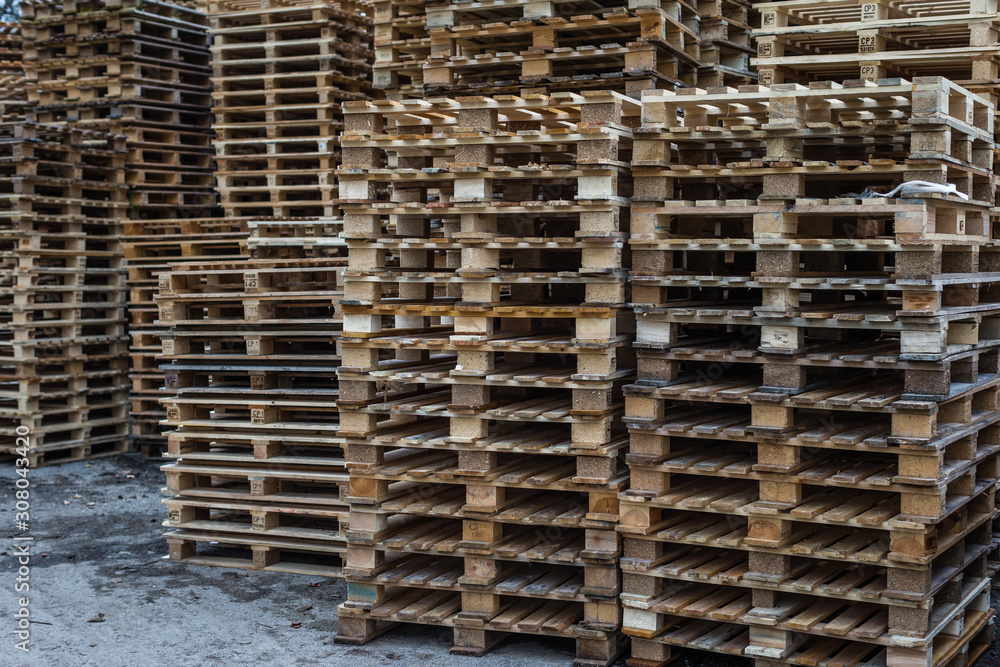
63 344
138 68
252 353
252 349
486 341
809 41
814 430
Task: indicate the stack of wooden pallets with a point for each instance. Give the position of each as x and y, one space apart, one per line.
133 67
281 72
486 342
253 360
505 47
63 344
253 346
138 68
151 246
814 430
801 41
454 47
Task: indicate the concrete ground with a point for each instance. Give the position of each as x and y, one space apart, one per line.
97 550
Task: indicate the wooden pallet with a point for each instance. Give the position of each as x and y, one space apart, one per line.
921 336
917 154
276 293
253 483
928 376
52 10
866 624
297 237
132 93
846 546
732 639
258 280
249 446
258 519
65 73
645 561
447 13
104 113
809 41
273 554
529 616
161 251
69 35
55 445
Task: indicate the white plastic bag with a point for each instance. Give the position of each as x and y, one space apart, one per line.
917 188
